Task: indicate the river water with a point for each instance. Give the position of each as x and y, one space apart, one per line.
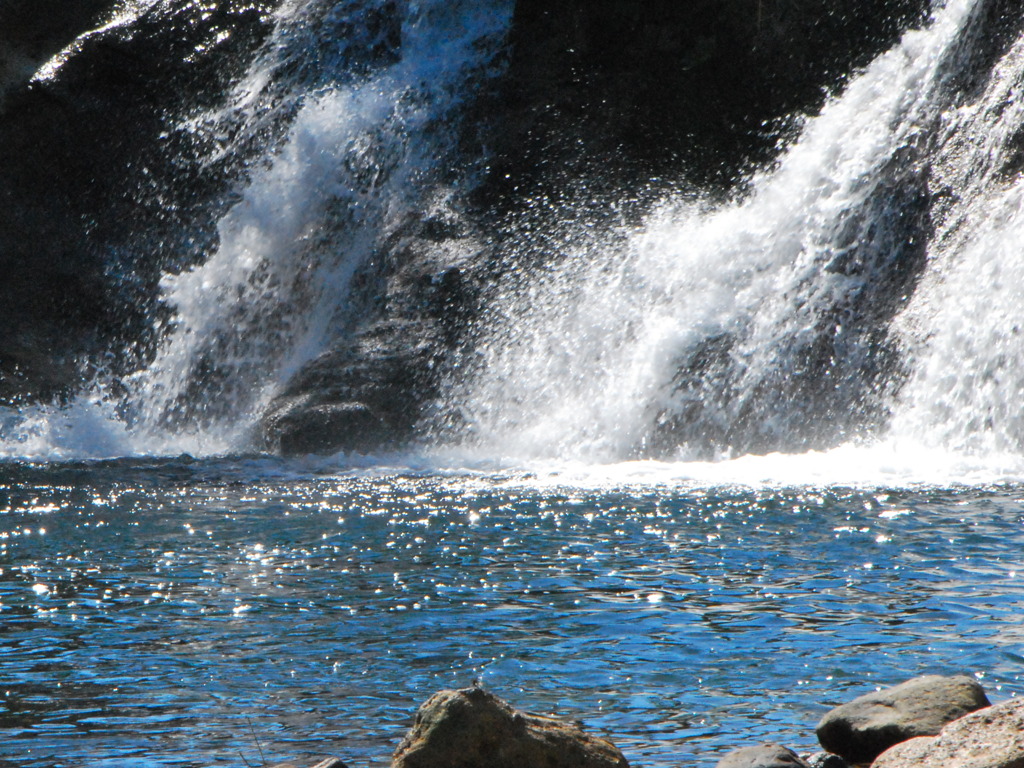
202 612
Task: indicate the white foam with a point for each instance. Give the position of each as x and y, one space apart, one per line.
893 463
964 327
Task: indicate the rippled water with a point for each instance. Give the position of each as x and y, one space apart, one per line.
173 612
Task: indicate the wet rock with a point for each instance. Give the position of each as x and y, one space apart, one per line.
767 755
867 726
363 395
472 728
826 760
408 312
35 30
327 762
990 738
662 81
330 427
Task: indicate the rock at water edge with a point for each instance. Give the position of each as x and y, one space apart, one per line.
767 755
327 762
472 728
990 738
867 726
825 760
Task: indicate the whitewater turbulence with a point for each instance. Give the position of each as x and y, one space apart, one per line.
964 329
866 290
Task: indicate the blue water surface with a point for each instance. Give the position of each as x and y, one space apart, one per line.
218 612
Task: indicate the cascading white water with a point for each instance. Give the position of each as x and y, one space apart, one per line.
375 87
760 325
964 329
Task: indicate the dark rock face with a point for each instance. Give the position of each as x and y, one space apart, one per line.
100 190
765 755
412 308
642 89
867 726
472 728
991 738
35 30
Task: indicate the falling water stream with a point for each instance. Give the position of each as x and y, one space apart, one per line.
375 90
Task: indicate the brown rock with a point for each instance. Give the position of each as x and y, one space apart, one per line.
767 755
990 738
867 726
472 728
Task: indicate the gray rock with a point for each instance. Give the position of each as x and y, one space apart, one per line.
472 728
990 738
867 726
767 755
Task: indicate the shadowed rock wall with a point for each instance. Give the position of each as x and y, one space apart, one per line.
701 88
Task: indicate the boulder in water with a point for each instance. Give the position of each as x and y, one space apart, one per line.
767 755
408 312
472 728
990 738
329 427
867 726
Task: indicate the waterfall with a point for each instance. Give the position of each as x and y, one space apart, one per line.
962 331
864 290
780 321
371 93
